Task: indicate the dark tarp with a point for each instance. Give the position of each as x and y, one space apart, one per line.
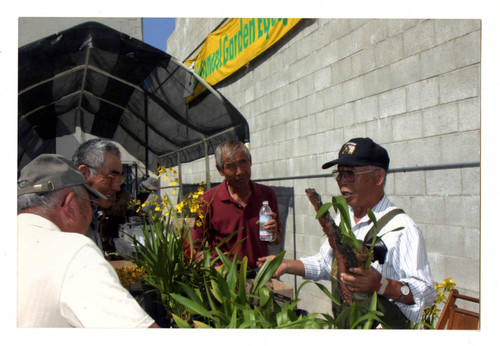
112 85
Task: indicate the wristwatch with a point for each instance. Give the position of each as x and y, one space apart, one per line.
405 290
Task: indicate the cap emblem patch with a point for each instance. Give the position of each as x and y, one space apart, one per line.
349 148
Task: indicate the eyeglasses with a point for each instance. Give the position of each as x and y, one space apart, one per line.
94 204
350 176
113 178
233 165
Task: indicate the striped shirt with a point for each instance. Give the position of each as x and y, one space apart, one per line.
406 259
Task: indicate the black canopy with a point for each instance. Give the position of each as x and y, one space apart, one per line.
116 87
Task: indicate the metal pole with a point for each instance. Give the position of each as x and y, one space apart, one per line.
207 165
179 165
146 137
394 170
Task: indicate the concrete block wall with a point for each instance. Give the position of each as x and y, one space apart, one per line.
411 85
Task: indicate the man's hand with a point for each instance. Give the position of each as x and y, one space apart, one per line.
287 266
272 227
361 280
281 269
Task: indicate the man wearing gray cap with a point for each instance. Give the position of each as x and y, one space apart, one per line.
63 278
400 272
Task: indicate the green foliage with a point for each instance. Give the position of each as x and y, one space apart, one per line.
340 206
232 302
166 260
197 292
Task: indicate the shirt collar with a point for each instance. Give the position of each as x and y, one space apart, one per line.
378 210
225 196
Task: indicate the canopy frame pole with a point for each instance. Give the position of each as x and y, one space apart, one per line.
146 137
179 164
207 164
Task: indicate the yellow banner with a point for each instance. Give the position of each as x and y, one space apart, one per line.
235 44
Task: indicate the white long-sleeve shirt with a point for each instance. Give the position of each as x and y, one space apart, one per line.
406 259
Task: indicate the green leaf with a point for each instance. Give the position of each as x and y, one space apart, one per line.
192 305
180 322
266 272
323 210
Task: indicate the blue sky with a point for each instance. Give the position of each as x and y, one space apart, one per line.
155 31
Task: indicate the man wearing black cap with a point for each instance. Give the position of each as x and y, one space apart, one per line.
63 279
400 274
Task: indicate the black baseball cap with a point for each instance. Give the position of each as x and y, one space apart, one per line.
361 152
51 172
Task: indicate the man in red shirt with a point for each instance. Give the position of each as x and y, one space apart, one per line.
234 205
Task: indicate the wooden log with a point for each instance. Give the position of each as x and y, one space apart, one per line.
344 254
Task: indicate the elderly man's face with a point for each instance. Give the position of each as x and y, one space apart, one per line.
108 179
236 170
357 185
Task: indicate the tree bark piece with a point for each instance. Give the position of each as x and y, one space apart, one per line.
346 258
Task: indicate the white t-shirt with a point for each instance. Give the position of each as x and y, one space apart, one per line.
64 281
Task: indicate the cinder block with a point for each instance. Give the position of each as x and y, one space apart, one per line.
366 109
324 120
419 38
322 79
377 81
443 183
389 51
314 104
407 126
462 211
463 147
363 61
353 89
438 60
306 85
449 29
331 96
410 184
469 114
422 94
341 71
375 31
463 271
392 102
405 71
329 54
439 120
468 49
459 85
356 130
343 115
472 243
427 209
471 181
307 126
380 130
446 240
397 26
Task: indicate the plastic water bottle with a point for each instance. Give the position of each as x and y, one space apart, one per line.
264 216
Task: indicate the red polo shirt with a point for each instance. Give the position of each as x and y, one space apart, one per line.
224 215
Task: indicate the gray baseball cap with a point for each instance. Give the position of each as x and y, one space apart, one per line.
51 172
